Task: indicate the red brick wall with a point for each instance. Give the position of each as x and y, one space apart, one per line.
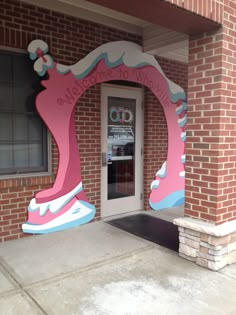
70 39
211 128
175 71
155 129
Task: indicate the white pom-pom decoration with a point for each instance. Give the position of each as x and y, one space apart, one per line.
42 64
35 46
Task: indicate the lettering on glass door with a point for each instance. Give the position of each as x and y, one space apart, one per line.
121 147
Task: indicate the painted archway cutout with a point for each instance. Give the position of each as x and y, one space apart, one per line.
65 204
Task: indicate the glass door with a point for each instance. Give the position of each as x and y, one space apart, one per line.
122 164
121 147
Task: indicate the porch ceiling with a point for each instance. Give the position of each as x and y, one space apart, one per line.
157 40
160 41
162 13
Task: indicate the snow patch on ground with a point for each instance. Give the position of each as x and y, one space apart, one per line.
141 297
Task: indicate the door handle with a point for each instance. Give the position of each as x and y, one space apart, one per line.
105 162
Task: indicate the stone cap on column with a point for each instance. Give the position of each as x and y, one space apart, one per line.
206 227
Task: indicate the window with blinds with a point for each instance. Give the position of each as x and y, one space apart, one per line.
23 136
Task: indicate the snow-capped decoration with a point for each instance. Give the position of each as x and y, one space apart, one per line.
155 184
42 64
115 54
65 204
185 105
182 121
37 48
78 213
179 109
183 136
162 171
54 205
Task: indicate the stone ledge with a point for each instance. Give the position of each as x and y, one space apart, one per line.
205 227
210 246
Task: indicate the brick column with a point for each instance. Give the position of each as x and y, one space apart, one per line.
208 236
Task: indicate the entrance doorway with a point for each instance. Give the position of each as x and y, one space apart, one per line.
122 150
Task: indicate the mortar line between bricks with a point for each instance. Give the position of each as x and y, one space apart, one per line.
21 288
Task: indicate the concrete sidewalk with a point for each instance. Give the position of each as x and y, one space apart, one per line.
97 269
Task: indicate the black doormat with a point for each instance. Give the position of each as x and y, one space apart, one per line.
153 229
